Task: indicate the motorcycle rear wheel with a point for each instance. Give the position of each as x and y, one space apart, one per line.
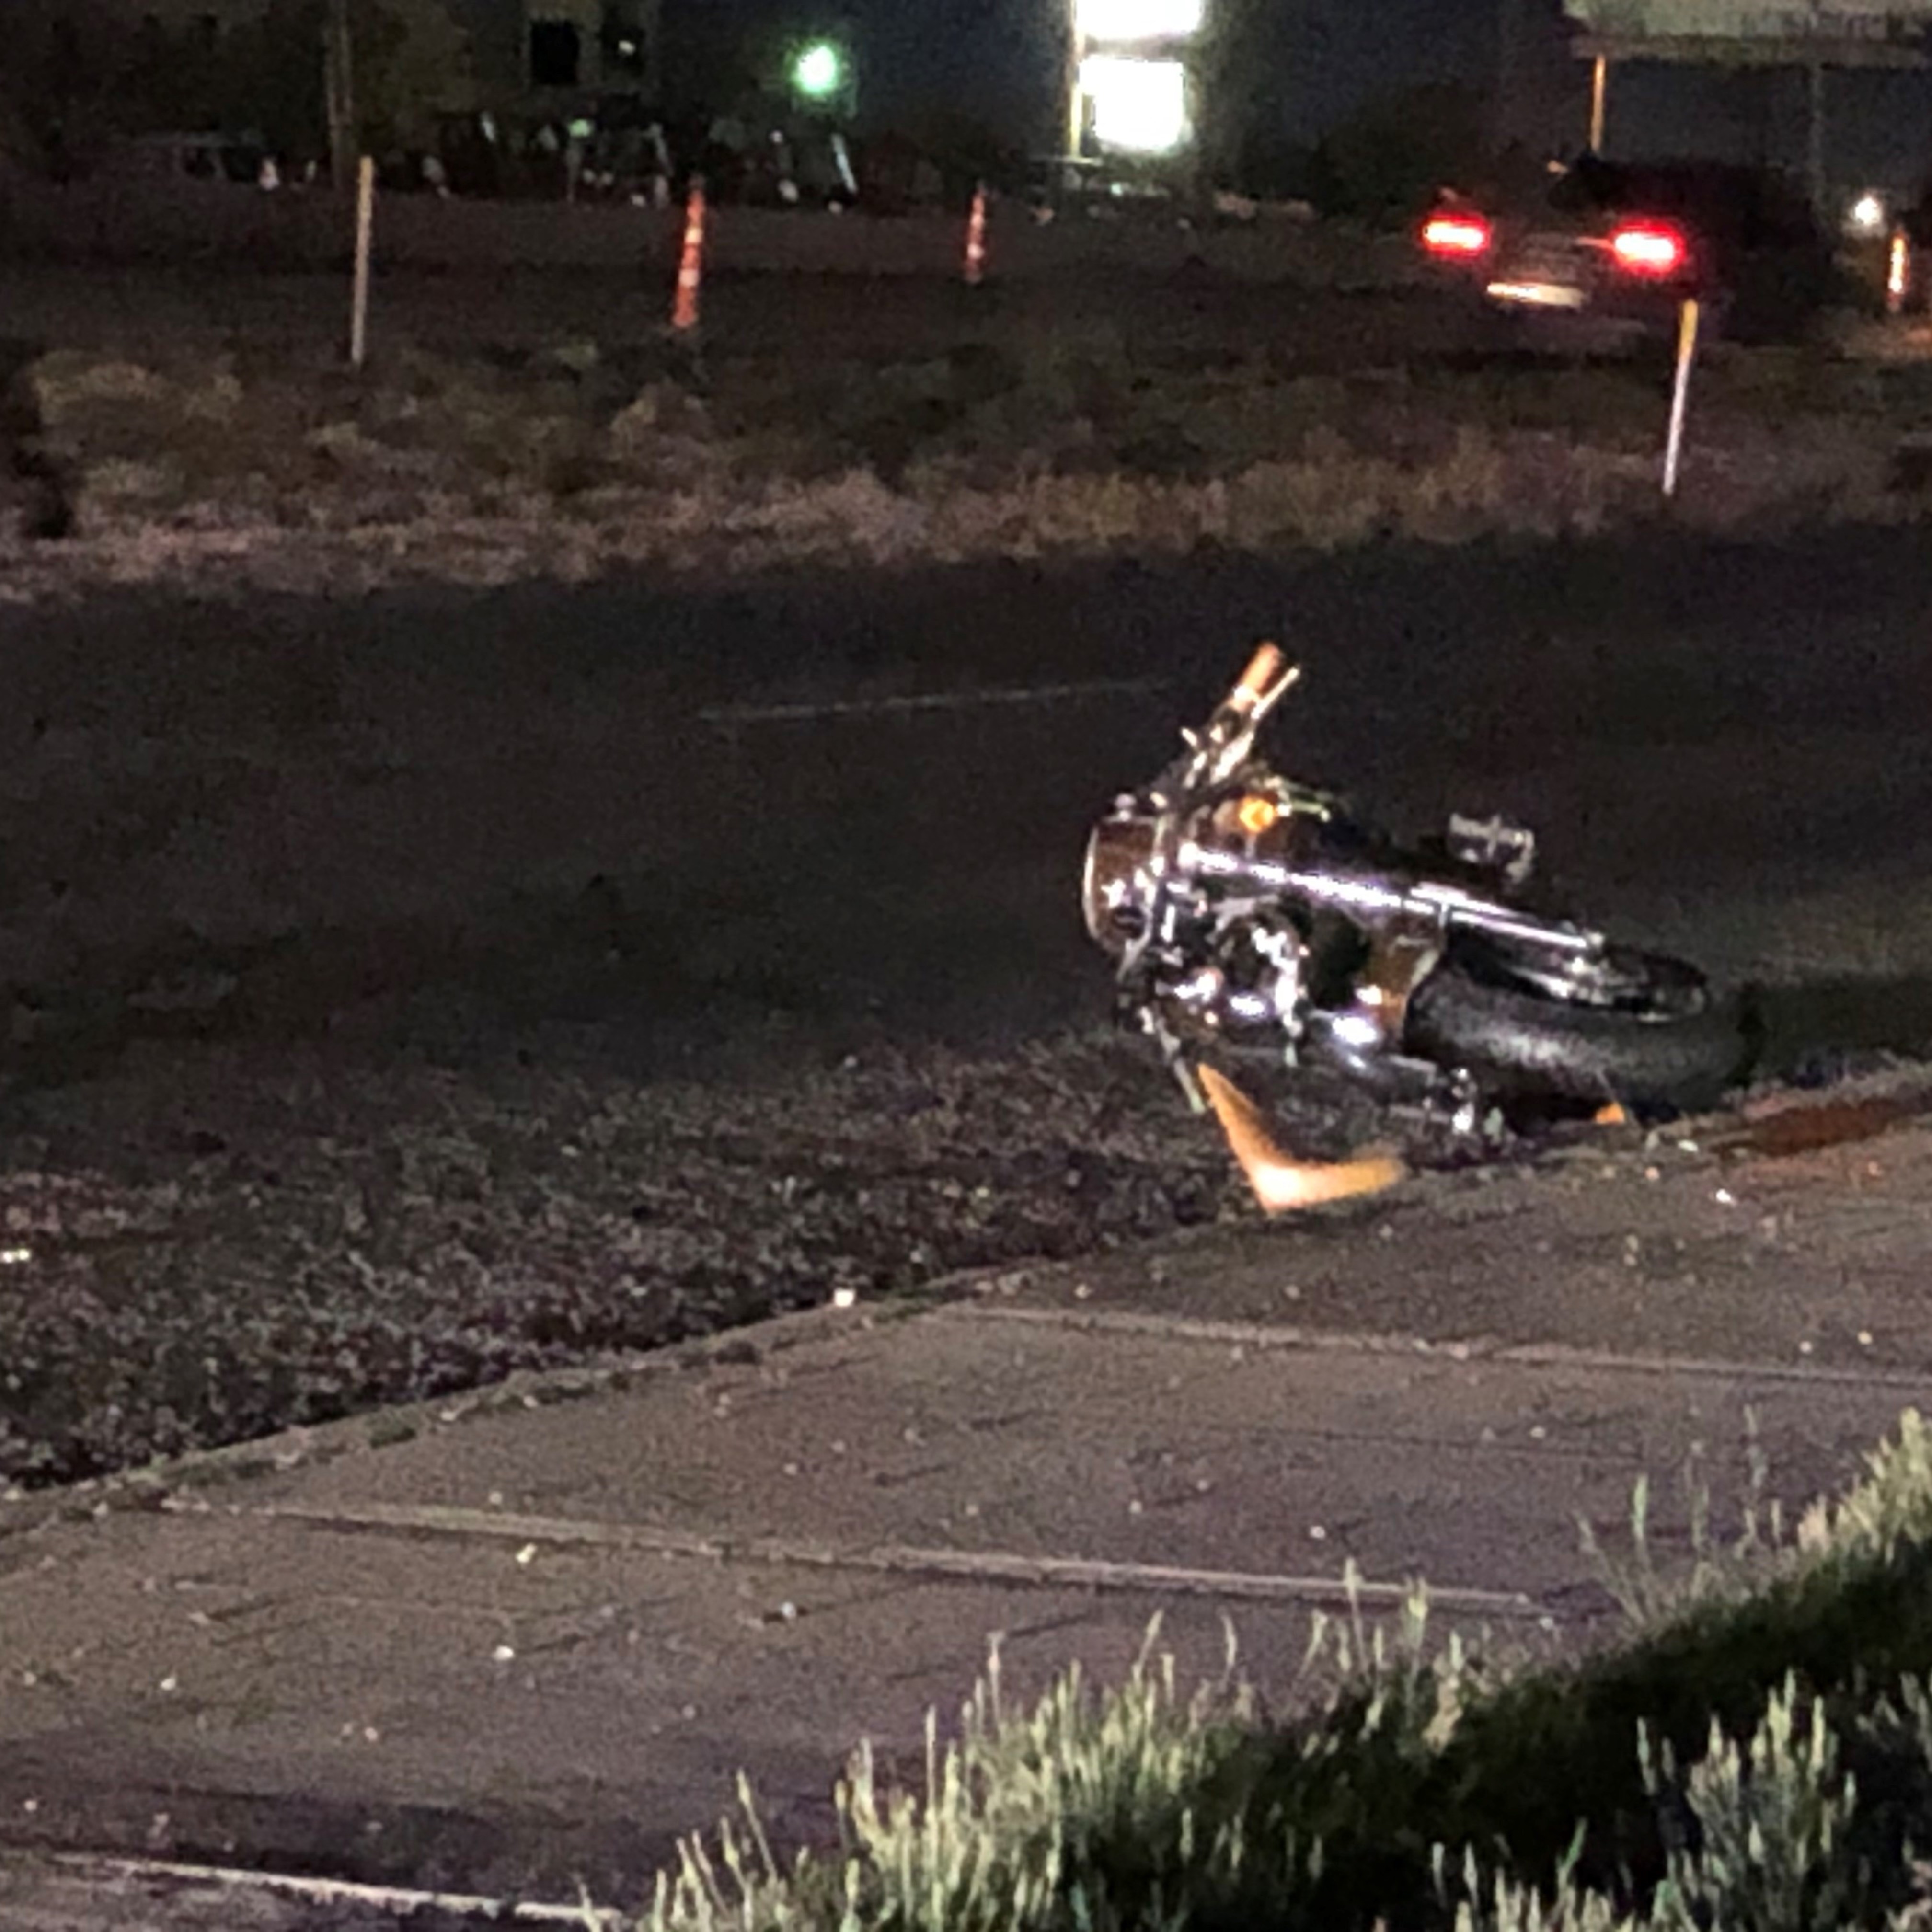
1668 1039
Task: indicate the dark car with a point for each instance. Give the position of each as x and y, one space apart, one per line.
227 160
1612 249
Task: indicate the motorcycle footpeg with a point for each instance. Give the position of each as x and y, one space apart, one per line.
1454 1106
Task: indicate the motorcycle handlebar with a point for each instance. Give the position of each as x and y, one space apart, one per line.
1214 753
1268 675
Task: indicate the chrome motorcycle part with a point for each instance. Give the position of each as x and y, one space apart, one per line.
1248 912
1493 845
1113 891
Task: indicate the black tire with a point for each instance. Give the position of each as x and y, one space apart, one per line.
1672 1041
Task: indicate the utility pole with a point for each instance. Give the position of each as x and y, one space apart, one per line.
1076 47
1814 137
1509 54
338 70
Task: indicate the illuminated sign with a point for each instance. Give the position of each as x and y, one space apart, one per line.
1138 105
1129 92
1119 22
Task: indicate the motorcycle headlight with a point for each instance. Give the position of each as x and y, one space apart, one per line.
1111 898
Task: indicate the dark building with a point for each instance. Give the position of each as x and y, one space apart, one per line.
523 49
540 47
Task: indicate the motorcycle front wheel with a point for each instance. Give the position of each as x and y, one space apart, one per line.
1647 1030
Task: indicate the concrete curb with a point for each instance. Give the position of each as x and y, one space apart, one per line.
151 1486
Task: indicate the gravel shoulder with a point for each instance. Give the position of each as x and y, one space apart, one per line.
252 1241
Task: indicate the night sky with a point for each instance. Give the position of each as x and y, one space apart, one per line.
996 60
1333 53
977 55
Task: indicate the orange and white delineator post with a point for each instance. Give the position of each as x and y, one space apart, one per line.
690 262
1680 394
975 239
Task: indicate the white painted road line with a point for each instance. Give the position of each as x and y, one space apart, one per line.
968 1566
1488 1351
934 700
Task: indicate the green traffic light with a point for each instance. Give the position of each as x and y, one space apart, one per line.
818 71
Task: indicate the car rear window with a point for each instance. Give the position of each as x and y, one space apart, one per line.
1750 207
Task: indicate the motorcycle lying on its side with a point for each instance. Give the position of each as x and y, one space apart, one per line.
1255 917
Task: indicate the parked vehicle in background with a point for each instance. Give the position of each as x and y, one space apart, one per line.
227 159
1609 251
1087 189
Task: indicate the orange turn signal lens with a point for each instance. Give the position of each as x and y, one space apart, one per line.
1258 814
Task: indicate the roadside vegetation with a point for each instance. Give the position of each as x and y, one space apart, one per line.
571 460
1755 1752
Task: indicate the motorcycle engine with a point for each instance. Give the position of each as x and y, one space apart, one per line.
1234 972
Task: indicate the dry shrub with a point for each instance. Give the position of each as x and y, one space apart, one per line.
1073 451
67 382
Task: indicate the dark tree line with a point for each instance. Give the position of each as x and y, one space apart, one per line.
73 78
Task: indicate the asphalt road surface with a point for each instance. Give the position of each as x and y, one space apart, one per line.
1181 316
517 816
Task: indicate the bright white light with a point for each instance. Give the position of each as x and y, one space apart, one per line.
1138 105
1868 214
1139 19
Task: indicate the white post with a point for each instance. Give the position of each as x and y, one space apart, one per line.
365 229
1687 351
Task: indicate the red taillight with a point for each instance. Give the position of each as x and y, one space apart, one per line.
1644 249
1456 235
